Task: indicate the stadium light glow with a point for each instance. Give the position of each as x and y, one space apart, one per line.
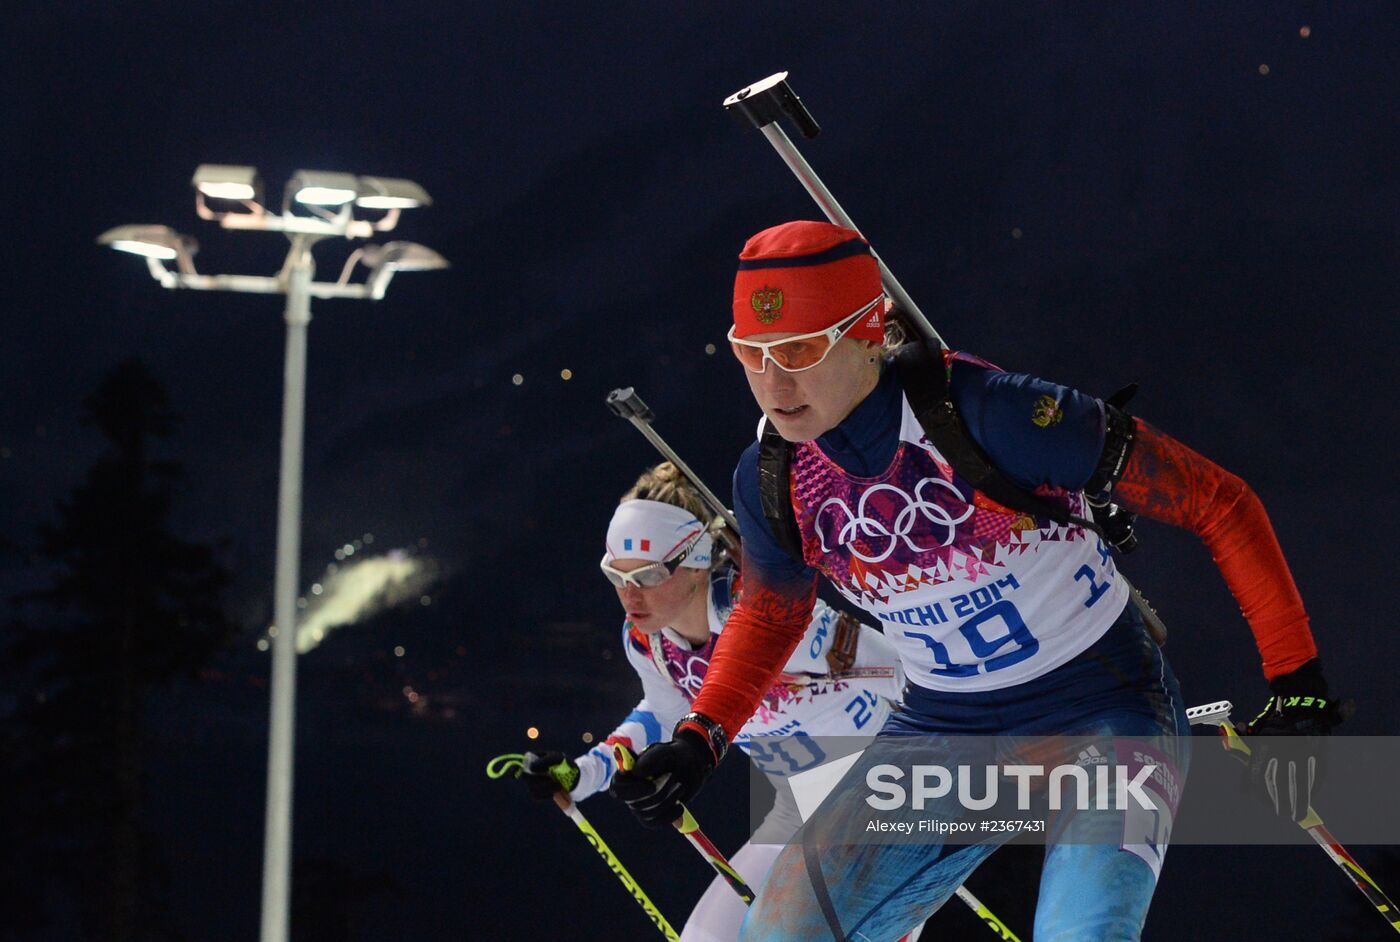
391 193
323 188
159 242
228 182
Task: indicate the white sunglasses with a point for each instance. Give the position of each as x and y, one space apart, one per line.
652 574
797 353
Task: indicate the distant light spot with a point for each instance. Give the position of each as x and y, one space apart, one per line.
1305 32
301 602
316 588
517 379
263 645
272 631
566 374
1263 68
398 650
587 737
369 538
348 549
532 733
709 349
340 554
425 600
1016 233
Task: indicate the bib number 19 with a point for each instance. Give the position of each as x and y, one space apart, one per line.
1014 632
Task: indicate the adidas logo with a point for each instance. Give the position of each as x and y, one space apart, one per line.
1091 756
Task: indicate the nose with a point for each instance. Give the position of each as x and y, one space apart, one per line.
774 379
629 593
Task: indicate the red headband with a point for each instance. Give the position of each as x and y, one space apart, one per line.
804 276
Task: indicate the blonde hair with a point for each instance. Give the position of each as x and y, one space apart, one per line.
665 483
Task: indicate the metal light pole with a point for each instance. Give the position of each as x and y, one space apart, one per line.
277 840
232 196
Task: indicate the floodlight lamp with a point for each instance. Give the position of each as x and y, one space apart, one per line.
323 188
402 256
391 193
158 242
391 257
228 182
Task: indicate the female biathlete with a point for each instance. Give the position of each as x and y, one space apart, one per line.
1009 622
678 592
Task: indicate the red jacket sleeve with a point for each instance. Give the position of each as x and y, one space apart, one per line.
759 637
1169 482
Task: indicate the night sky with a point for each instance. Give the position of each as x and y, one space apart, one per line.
1204 201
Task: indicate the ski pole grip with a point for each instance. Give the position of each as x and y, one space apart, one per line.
766 101
626 403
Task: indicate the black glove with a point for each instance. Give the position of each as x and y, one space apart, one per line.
666 775
1284 739
545 773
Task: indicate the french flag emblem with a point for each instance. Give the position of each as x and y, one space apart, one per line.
645 547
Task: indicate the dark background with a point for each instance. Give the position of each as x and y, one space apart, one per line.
1200 199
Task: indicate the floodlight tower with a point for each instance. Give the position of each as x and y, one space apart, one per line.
316 205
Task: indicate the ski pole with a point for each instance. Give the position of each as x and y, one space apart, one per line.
1218 714
627 404
986 915
688 826
760 106
514 762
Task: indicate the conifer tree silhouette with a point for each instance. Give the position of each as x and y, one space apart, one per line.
127 608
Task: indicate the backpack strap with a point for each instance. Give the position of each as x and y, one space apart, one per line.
924 376
774 458
1120 430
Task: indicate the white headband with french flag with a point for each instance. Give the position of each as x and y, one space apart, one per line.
657 531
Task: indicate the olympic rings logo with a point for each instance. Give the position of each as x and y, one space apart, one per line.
858 525
695 669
